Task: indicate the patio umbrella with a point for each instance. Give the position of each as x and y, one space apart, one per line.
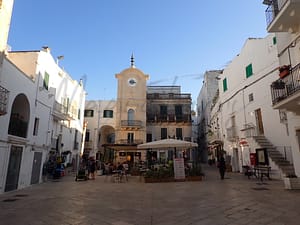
167 143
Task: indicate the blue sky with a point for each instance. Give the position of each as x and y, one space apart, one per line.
174 41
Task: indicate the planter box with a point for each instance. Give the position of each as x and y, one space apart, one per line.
291 183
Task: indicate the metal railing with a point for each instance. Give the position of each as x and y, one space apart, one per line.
131 123
3 100
58 107
250 130
168 96
231 133
286 86
129 142
271 12
168 118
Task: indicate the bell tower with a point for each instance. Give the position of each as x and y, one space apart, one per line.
131 105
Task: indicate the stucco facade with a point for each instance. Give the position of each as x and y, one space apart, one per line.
37 121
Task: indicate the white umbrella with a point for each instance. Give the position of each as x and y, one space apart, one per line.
167 143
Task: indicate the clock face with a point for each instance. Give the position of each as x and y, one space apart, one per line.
132 81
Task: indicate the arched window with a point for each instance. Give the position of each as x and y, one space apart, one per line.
130 116
19 116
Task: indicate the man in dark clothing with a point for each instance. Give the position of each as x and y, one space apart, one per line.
222 167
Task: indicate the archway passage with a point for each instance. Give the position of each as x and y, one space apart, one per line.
19 117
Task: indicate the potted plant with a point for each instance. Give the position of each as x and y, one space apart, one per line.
278 84
284 70
194 173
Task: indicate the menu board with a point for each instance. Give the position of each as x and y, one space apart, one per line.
179 168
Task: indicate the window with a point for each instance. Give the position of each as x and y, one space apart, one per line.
36 126
88 113
46 81
130 137
225 85
179 133
251 98
163 133
87 136
163 110
249 71
149 137
78 114
108 114
274 41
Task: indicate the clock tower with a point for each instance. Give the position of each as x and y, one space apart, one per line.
131 108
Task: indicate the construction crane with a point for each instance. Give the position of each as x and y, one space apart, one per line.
175 78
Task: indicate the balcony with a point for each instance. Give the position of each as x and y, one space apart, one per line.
131 124
169 118
231 133
60 111
286 91
3 100
129 142
168 96
283 15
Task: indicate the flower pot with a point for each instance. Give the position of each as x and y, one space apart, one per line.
284 71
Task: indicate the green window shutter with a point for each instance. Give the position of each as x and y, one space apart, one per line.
46 81
225 84
249 71
274 41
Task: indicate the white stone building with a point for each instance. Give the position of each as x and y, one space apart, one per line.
283 19
44 116
205 100
41 112
243 118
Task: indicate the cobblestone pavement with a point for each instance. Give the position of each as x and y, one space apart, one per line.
233 201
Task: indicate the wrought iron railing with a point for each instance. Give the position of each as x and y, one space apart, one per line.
129 142
286 86
249 130
3 100
168 118
131 123
60 108
231 133
271 12
168 96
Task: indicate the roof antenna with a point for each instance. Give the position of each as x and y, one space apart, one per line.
132 61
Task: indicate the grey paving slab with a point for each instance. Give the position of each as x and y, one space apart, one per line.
233 201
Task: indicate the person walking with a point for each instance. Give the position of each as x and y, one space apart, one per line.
222 167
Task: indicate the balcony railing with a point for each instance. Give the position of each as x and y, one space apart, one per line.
168 118
168 96
3 100
131 123
249 130
231 133
272 11
129 142
286 86
61 111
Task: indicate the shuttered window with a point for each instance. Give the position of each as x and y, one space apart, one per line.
46 81
249 71
225 85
